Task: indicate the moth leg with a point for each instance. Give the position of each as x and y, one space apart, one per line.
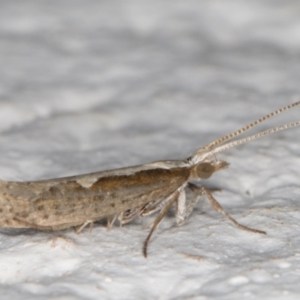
217 206
87 222
111 221
154 206
91 227
162 213
184 210
127 215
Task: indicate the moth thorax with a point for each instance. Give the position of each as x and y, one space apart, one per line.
205 170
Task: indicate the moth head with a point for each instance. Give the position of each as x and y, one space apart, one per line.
205 169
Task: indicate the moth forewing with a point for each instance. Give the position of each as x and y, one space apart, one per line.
124 193
65 202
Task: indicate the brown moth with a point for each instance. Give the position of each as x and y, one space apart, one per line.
125 193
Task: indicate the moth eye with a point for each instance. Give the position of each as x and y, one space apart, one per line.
205 170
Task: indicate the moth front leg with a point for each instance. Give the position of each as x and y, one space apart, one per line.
181 208
217 206
184 210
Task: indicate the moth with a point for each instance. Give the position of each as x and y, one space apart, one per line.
123 194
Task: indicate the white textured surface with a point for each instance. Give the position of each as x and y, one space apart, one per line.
92 85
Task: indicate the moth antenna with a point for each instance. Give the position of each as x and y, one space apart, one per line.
254 137
251 125
206 151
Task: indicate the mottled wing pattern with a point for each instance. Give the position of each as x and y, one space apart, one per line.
62 203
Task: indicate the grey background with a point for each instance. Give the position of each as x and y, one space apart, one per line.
92 85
